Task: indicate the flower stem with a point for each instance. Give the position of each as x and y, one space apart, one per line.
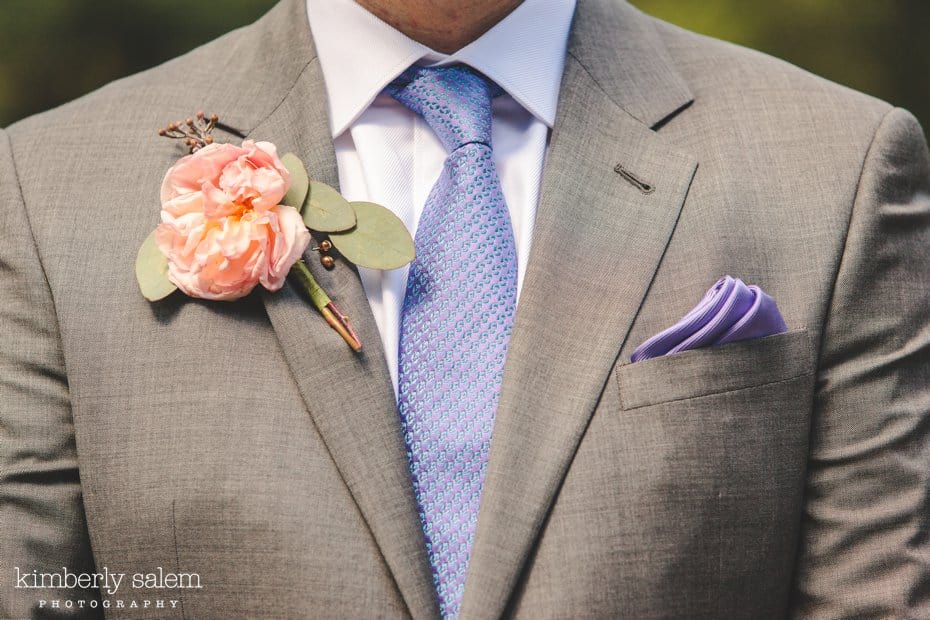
336 319
340 322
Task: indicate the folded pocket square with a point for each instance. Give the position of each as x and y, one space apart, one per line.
729 311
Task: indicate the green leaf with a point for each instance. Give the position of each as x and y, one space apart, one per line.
300 182
152 271
379 240
325 210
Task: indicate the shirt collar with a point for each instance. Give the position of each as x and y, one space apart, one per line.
359 54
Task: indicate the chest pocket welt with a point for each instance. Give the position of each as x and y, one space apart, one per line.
714 370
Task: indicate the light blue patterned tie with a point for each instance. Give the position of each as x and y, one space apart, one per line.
456 319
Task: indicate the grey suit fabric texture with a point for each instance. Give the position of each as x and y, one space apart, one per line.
245 443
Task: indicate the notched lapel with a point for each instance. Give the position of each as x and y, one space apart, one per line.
598 241
597 244
348 395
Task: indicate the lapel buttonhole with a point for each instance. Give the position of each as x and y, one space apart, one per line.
635 181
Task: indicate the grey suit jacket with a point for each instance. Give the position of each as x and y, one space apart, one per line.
245 443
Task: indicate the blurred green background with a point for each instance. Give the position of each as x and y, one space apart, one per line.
54 50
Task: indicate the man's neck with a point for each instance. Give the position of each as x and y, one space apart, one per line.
443 25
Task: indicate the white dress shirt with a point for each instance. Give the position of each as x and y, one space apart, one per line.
389 155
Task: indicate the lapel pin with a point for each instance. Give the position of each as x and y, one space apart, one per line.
325 259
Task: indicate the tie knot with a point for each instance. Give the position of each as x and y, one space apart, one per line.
455 100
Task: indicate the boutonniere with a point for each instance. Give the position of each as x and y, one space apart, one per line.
234 217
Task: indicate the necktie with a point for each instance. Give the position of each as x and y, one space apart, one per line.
456 318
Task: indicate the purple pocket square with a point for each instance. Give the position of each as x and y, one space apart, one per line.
730 311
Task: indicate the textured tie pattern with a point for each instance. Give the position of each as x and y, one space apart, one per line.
456 319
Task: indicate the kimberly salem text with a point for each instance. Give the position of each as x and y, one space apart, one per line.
106 581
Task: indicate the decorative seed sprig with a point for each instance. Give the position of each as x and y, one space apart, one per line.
195 132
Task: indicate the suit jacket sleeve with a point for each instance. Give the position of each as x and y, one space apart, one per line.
864 549
42 525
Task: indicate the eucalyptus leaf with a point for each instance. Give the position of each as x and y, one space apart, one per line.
152 271
325 210
300 182
379 240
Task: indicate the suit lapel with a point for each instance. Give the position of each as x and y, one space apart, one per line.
597 243
348 395
598 240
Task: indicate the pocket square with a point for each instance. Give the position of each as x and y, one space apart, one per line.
729 311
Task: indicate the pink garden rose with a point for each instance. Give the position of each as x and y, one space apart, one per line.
222 228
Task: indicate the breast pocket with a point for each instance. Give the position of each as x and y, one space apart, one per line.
716 370
727 430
